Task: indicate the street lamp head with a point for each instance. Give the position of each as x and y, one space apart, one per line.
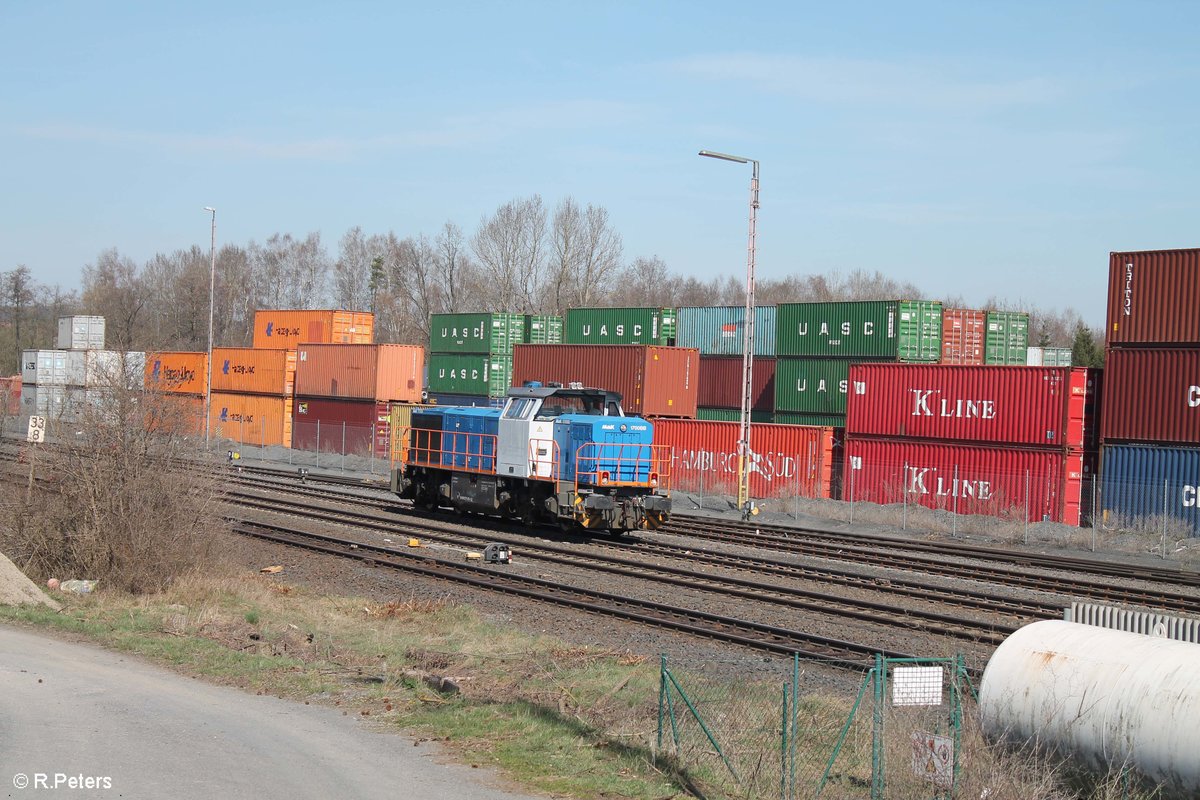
725 157
210 208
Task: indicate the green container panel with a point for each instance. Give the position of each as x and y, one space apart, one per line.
797 418
812 385
901 330
1006 338
543 329
470 374
493 334
732 415
655 326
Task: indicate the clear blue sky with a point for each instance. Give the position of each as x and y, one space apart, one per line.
971 148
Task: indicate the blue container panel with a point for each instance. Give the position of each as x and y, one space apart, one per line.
719 330
469 438
1142 481
602 446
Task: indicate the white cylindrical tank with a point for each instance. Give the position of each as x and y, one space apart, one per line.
1109 697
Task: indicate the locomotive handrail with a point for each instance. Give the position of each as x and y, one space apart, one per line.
428 447
542 453
651 460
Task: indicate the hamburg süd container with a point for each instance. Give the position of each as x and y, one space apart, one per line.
812 385
655 326
891 330
720 331
1009 482
1035 406
80 333
785 460
360 371
1153 298
1006 338
1152 395
342 426
284 329
1145 483
244 370
1048 357
721 383
471 374
962 336
177 372
653 381
480 333
543 329
254 419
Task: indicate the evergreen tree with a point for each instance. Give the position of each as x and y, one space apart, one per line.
1084 350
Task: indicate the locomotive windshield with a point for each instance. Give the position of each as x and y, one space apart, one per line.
555 401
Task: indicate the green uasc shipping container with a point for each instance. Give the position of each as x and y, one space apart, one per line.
543 329
653 326
899 330
469 373
732 415
493 334
812 385
1006 338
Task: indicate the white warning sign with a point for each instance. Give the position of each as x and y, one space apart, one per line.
933 758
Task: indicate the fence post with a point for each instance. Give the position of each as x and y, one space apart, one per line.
344 444
852 471
1094 509
702 471
783 746
318 462
877 732
1026 506
904 495
954 517
1164 522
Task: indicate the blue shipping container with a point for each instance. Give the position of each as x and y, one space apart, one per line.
719 330
1142 481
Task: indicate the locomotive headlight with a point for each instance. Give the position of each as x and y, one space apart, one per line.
654 479
624 427
604 477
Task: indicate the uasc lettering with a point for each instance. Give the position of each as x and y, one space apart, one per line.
942 407
1193 398
842 329
1189 496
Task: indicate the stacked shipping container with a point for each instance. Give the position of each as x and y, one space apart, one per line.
62 384
471 354
251 399
1151 427
649 326
719 334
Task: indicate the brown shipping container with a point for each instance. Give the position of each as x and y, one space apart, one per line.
10 395
244 370
1152 395
721 383
340 426
360 371
967 479
177 372
1153 298
1036 406
963 336
251 418
285 329
652 380
786 460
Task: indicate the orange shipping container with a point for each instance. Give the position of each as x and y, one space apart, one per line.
360 371
962 336
251 418
177 372
244 370
284 330
177 414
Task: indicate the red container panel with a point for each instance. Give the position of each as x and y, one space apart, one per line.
1153 298
361 371
786 460
963 336
1034 406
652 380
967 479
721 383
1152 395
334 425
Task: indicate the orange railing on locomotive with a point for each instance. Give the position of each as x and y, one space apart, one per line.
415 448
544 463
651 460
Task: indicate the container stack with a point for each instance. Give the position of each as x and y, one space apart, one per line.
963 336
1048 357
178 381
815 344
62 383
650 326
343 394
470 355
543 329
287 329
251 399
1151 415
1006 338
1012 442
718 334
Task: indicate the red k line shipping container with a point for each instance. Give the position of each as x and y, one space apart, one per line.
967 479
786 460
361 371
1153 298
652 380
721 383
963 336
1152 395
1038 406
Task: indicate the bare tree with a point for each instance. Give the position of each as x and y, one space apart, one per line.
18 292
290 273
509 247
585 255
455 269
645 282
112 288
352 271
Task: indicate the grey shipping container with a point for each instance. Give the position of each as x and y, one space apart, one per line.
1048 357
493 334
46 367
81 333
719 331
653 326
469 374
1006 338
896 330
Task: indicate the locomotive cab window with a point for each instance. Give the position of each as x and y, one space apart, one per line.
520 408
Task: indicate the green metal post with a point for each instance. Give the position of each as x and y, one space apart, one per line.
700 720
868 680
956 712
783 747
877 781
662 695
795 721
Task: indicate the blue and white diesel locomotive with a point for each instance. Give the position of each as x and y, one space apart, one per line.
552 453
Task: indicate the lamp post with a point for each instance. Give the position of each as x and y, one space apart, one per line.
212 290
744 456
